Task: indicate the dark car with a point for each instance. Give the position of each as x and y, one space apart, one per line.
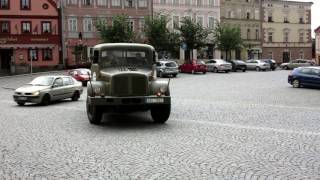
238 65
81 75
305 76
273 64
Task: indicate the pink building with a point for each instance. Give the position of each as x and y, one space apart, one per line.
29 31
79 19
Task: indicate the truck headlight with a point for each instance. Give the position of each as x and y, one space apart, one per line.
36 93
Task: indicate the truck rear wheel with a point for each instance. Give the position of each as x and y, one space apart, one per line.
161 113
94 114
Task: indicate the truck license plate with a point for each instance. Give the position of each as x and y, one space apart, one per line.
155 100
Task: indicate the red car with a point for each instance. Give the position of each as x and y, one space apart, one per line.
80 75
193 67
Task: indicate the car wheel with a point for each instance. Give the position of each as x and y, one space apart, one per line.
204 72
45 100
258 68
84 83
244 70
160 113
215 70
94 114
286 68
227 71
21 103
174 75
296 83
75 96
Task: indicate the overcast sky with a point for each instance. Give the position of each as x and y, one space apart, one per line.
315 14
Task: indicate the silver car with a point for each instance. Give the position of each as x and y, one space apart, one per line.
44 89
216 65
257 65
166 68
296 63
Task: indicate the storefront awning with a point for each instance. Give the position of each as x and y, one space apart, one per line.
26 46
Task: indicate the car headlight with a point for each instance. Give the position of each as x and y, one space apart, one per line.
36 93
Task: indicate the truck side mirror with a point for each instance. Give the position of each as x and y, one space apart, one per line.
95 56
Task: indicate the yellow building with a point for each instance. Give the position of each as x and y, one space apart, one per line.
286 29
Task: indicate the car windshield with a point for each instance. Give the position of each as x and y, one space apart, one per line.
221 61
42 81
125 58
200 62
239 61
171 64
84 71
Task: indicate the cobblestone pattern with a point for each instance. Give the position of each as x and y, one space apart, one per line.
222 127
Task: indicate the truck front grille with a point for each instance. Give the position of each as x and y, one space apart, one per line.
129 85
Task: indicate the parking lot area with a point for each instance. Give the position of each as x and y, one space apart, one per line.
250 125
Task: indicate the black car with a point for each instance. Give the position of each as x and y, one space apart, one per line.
238 65
273 64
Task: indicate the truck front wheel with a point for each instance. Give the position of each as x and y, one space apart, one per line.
160 113
94 114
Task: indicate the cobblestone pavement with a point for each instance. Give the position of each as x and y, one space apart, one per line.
249 125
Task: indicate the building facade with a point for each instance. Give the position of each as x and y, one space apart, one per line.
79 19
286 30
246 14
317 46
29 35
205 12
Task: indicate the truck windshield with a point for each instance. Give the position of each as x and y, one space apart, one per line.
125 58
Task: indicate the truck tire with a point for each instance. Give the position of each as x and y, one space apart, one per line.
160 113
94 114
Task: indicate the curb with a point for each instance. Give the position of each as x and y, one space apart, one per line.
20 75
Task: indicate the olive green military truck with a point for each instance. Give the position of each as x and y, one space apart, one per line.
123 79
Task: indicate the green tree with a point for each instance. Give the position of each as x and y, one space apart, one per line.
193 34
228 38
159 36
120 31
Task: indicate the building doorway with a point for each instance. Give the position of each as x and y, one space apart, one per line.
286 57
5 61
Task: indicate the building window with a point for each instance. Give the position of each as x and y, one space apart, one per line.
211 3
115 3
129 3
33 54
301 20
270 36
175 20
176 2
102 2
200 20
46 27
301 37
270 17
87 2
285 20
257 34
72 25
25 4
4 4
199 2
131 24
286 37
87 25
187 2
141 25
162 1
72 2
248 15
248 34
4 27
47 54
26 27
270 55
211 23
143 3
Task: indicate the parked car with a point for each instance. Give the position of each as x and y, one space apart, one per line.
167 68
305 76
273 64
238 65
44 89
193 67
297 63
257 65
81 75
217 65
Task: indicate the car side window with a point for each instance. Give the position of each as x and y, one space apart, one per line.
58 82
213 61
306 71
316 71
67 81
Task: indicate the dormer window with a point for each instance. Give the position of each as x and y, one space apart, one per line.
25 4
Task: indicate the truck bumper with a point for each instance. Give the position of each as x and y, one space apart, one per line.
129 101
